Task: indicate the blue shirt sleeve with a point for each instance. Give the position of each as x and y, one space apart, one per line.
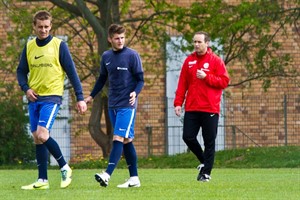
100 82
140 82
98 85
68 65
22 71
138 73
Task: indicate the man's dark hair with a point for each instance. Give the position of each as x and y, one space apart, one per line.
115 29
41 15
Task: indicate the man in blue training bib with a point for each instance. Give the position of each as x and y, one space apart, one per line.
122 67
41 74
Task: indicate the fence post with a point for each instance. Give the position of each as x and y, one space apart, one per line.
285 119
149 133
233 137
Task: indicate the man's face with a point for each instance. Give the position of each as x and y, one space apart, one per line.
42 28
117 41
200 45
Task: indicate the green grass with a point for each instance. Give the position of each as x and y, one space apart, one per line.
262 157
252 173
160 184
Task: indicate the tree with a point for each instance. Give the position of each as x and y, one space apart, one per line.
245 31
86 21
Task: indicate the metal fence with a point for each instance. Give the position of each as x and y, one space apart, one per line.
245 121
263 120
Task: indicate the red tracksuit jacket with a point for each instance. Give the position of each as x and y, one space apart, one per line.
202 95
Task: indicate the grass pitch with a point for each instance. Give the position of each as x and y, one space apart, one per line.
159 184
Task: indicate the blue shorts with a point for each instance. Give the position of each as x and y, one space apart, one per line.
42 114
122 119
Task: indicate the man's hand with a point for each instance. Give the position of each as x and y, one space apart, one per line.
31 95
132 98
81 107
200 74
88 99
178 110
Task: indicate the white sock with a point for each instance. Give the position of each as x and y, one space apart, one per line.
134 178
107 175
42 180
65 167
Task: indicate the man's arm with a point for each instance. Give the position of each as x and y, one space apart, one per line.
22 72
219 79
98 85
68 65
138 73
182 85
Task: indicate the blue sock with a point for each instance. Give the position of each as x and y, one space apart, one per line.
55 151
114 156
42 160
131 158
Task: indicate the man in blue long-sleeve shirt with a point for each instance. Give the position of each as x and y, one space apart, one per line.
123 68
41 75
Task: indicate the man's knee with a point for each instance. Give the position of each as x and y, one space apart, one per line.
188 139
118 138
41 135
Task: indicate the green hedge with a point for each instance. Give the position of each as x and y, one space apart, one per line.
16 144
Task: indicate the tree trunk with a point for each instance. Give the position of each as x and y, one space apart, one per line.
101 137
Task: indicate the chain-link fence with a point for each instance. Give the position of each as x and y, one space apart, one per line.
245 121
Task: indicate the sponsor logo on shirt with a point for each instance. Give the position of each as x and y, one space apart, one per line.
37 57
42 65
122 68
192 63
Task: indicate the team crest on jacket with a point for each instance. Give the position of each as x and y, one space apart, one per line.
205 65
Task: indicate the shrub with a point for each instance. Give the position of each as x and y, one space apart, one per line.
16 144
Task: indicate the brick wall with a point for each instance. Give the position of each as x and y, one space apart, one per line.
260 114
152 108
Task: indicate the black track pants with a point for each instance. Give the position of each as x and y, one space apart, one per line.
191 126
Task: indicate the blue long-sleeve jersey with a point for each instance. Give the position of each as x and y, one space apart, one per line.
124 71
67 64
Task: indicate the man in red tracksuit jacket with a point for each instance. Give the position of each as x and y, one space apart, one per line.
202 79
